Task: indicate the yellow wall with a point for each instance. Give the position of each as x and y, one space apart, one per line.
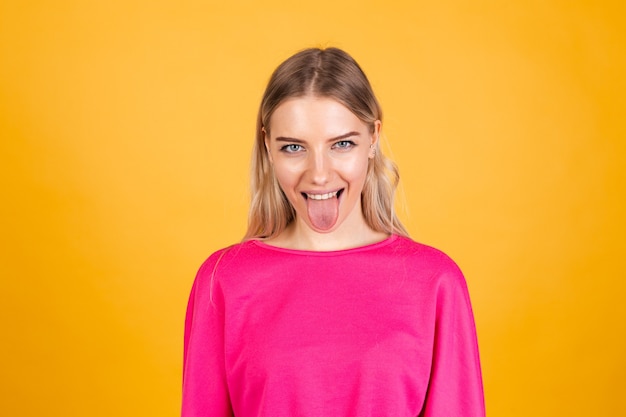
126 129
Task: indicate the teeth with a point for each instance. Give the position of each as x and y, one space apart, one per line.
322 196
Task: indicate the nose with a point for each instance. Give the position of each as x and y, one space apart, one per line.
319 168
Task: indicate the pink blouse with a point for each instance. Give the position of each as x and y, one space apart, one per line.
381 330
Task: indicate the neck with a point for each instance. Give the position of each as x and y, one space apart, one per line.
350 234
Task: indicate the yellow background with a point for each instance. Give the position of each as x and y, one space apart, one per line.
126 129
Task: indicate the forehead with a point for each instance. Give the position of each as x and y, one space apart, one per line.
312 117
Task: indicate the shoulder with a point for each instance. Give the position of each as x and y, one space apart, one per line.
428 262
227 254
233 257
442 276
424 255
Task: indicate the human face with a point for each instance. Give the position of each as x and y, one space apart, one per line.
320 153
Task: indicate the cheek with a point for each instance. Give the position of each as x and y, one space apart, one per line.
355 171
286 179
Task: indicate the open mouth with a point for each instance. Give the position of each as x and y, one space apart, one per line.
323 209
325 196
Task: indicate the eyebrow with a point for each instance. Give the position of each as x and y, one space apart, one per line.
336 138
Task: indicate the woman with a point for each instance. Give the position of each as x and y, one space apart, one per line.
327 308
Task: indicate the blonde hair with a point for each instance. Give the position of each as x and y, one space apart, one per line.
330 73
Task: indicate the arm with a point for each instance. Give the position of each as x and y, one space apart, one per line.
205 392
455 388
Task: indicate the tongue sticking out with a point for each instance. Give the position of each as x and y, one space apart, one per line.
323 214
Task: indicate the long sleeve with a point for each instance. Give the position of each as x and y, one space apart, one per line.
455 386
205 391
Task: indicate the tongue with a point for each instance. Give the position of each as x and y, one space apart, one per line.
323 214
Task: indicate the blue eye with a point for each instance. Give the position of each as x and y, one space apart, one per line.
291 148
344 144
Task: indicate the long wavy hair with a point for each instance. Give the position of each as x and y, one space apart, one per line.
329 73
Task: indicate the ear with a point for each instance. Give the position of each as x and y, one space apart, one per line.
266 141
375 139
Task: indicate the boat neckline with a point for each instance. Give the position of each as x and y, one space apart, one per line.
388 240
